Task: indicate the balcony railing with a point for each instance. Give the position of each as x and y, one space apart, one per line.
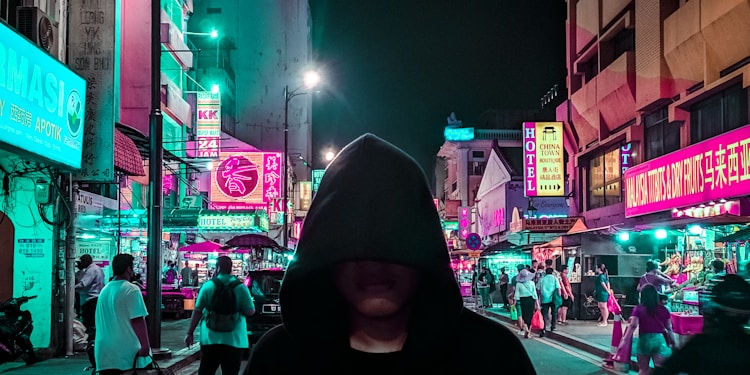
499 134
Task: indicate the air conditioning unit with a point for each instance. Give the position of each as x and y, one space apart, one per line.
33 23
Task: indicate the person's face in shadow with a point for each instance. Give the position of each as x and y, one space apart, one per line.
376 289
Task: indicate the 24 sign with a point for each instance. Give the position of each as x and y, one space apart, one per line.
208 147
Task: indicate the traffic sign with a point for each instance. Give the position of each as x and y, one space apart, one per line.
473 241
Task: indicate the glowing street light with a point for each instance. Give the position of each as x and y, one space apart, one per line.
310 80
330 155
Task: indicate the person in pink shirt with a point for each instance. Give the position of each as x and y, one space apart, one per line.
654 325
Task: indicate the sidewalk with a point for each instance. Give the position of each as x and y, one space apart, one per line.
172 338
581 334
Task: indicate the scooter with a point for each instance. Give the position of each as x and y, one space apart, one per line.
15 331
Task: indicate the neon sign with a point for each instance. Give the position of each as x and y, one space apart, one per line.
543 157
246 180
208 124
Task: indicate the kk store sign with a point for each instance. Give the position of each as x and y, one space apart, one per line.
246 180
42 103
208 124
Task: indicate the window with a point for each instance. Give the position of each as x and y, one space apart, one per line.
476 168
604 177
477 154
718 114
590 68
661 137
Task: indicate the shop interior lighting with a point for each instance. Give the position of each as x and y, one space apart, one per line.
695 230
624 236
660 234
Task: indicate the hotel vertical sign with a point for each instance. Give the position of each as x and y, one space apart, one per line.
543 156
208 124
91 53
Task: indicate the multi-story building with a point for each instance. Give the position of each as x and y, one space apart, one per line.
275 53
656 123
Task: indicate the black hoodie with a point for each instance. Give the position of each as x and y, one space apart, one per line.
374 204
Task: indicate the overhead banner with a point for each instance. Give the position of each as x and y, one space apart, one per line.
208 124
91 53
543 156
246 180
42 105
713 170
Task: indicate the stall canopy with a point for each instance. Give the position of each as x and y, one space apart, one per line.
723 219
252 240
202 247
740 235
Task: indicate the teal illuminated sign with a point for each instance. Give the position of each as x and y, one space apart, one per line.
458 134
42 102
317 176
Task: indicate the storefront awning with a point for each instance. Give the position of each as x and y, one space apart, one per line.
127 157
723 219
142 144
740 235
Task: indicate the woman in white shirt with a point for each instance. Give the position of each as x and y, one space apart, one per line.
525 293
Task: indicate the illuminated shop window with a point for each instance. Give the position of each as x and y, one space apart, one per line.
604 178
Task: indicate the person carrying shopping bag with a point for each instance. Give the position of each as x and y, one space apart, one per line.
526 296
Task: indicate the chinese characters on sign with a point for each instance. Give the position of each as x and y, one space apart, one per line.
208 124
711 170
246 180
543 156
42 108
556 225
463 222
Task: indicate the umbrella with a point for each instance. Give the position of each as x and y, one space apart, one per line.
252 240
202 247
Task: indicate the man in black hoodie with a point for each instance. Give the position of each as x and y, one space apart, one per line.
371 290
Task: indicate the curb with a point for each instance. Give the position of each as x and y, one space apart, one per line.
565 338
186 357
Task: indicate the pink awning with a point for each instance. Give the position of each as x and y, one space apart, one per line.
202 247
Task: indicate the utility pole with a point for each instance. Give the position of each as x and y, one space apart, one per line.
153 263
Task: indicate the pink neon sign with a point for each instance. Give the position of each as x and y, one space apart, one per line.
246 180
711 170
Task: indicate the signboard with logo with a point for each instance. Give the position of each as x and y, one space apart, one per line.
246 180
42 106
555 225
208 124
305 195
543 156
712 170
89 203
464 221
316 176
246 221
91 53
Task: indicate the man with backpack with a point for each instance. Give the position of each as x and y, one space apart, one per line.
221 308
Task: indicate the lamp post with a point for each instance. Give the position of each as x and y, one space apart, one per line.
214 35
311 79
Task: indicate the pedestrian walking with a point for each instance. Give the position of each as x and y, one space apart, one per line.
652 320
602 290
224 302
526 294
483 287
122 339
503 283
723 345
550 288
186 275
88 287
390 301
514 302
567 294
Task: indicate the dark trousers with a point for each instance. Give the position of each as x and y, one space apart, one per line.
549 312
504 292
213 356
88 313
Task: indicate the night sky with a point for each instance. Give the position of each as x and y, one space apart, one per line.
397 68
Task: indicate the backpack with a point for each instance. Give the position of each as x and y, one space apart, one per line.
222 313
171 276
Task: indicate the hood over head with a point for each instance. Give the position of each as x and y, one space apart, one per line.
373 203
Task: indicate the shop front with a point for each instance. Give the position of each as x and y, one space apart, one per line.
42 111
705 187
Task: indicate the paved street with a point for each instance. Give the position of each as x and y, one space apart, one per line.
548 357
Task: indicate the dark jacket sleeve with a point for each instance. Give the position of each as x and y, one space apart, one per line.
268 356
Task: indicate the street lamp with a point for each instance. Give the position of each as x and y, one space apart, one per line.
214 35
310 80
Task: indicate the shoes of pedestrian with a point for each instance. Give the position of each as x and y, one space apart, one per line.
520 332
526 335
552 329
541 334
602 324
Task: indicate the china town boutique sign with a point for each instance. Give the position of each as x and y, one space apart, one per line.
245 180
711 170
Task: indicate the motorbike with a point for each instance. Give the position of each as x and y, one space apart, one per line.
15 331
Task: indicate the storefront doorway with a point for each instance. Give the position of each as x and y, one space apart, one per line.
7 238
